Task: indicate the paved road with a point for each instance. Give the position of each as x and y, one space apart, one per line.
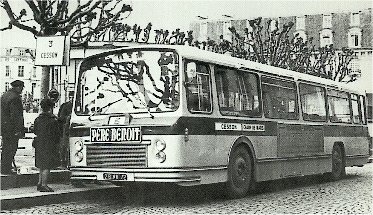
352 195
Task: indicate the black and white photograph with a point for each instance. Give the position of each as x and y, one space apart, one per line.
186 107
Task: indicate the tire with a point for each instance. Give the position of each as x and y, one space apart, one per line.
240 170
338 164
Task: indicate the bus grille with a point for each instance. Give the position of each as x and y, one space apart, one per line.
117 156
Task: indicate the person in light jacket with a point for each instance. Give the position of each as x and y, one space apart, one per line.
46 143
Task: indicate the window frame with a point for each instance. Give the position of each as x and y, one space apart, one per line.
7 86
358 108
185 62
348 100
325 102
7 71
240 73
364 109
21 71
296 99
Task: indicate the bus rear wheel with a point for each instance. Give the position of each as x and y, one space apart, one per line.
338 164
239 173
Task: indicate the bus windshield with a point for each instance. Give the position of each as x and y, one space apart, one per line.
129 81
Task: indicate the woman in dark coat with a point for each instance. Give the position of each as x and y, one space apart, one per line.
46 145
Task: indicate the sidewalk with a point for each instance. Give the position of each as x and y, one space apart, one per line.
63 192
19 191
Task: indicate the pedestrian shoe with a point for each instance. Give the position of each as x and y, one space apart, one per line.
38 187
46 189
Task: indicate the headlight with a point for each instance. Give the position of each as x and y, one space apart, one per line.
79 145
78 156
161 156
160 145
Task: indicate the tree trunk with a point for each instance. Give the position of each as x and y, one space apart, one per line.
44 87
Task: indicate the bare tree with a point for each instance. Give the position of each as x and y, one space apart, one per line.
273 46
55 17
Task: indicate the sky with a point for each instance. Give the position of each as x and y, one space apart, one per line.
172 14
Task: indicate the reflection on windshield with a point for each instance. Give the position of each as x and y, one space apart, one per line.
128 82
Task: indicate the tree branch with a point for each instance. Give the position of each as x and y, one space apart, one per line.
14 21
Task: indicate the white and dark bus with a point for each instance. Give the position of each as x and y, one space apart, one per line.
178 114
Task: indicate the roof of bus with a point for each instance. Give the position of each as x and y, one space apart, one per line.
227 60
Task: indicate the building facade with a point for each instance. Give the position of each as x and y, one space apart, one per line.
346 29
17 63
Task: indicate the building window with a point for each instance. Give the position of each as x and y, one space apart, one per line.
33 86
21 52
327 21
227 34
300 23
203 32
354 66
7 71
326 37
6 86
355 19
21 71
34 72
8 51
354 38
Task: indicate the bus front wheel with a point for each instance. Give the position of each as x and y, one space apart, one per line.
239 173
338 164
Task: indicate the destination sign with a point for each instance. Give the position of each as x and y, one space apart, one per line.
117 134
220 126
52 50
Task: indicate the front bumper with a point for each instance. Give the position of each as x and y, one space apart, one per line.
184 177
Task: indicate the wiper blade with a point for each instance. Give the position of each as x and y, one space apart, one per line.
151 115
101 108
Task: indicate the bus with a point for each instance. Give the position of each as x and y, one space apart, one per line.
178 114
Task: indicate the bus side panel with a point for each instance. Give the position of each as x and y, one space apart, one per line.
272 169
354 139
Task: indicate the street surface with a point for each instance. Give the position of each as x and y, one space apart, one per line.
352 195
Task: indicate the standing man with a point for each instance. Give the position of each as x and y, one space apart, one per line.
12 124
64 122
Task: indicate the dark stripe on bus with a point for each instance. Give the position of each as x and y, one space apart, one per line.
206 126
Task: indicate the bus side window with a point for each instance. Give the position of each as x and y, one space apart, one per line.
237 92
279 99
362 105
198 87
313 102
356 115
339 107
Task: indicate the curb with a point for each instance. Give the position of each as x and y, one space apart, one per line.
24 180
39 199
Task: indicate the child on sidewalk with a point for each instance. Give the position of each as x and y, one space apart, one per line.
46 143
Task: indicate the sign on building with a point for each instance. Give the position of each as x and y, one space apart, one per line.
52 51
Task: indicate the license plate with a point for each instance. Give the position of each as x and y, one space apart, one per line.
115 177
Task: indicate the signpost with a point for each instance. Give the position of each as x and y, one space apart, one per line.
52 51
